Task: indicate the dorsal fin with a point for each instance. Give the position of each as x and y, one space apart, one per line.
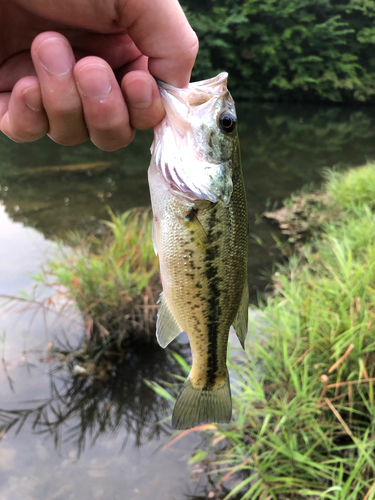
240 323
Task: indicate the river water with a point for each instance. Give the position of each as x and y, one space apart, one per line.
73 438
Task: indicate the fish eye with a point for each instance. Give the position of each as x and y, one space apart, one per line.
227 122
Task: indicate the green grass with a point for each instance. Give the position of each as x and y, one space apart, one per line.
113 277
354 188
304 414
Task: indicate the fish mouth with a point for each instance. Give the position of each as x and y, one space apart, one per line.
221 78
196 93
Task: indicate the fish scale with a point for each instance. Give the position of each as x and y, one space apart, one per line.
200 233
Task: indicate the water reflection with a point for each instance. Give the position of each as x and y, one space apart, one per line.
55 200
79 409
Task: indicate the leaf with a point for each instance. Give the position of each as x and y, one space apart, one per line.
160 390
198 456
180 360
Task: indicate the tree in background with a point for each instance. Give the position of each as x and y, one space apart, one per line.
288 49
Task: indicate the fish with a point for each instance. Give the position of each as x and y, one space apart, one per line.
200 233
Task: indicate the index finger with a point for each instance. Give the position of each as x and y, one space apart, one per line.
160 30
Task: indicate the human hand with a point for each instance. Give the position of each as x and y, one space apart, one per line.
43 90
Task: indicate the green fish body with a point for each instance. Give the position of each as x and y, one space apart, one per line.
200 234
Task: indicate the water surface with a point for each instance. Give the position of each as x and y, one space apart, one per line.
95 438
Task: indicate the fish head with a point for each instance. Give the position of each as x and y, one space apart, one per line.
196 145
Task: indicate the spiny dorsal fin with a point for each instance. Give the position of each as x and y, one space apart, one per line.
240 323
167 327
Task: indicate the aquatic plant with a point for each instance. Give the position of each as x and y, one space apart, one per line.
113 277
304 414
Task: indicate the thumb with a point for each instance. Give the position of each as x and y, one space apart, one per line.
160 30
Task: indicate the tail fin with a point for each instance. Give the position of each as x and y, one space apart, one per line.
197 405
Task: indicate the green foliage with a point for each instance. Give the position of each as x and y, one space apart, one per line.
113 277
304 413
355 188
160 390
288 49
197 457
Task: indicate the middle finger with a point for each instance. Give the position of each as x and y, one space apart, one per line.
54 61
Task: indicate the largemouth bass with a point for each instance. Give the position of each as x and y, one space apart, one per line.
200 233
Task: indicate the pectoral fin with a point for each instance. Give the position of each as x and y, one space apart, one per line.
196 229
167 327
154 237
240 323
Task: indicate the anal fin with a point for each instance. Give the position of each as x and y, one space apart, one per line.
167 327
240 323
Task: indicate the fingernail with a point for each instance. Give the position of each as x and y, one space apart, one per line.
33 98
56 56
94 81
142 97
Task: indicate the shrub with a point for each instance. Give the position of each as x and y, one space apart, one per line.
288 49
113 277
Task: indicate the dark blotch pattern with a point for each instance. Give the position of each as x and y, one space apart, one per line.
213 300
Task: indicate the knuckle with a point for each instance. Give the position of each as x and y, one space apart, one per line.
110 127
23 130
25 135
33 137
109 149
145 122
61 110
67 105
14 138
114 142
195 44
71 140
193 47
